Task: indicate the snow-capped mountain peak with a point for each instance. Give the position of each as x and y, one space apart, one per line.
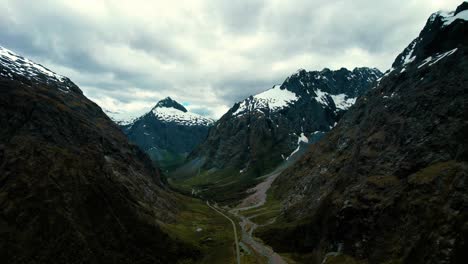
274 99
325 87
450 17
168 110
442 34
168 132
14 66
168 102
170 114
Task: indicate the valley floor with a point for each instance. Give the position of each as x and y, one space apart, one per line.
210 233
214 228
208 227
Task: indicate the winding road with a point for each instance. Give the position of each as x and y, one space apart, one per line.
233 227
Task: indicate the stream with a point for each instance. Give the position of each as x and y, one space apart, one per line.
257 199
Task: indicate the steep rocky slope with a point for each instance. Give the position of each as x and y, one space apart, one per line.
264 130
389 183
72 189
168 132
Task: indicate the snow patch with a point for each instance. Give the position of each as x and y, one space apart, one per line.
409 58
446 54
433 60
277 98
321 97
300 138
119 117
388 72
274 99
341 101
170 114
450 17
425 61
29 69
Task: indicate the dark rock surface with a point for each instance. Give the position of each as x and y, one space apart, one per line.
389 183
72 189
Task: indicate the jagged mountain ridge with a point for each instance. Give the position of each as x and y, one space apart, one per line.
332 91
264 130
168 132
16 67
388 184
430 41
73 190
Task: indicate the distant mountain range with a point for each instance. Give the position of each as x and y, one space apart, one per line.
389 183
267 129
168 132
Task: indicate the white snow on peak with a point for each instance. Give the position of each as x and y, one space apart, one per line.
119 117
277 98
433 60
274 99
27 68
341 101
170 114
450 17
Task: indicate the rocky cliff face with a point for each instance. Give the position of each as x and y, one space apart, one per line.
272 127
388 184
168 132
72 189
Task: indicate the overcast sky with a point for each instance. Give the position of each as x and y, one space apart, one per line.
207 54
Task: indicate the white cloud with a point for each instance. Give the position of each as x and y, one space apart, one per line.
126 55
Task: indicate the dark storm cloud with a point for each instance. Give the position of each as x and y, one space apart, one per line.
126 55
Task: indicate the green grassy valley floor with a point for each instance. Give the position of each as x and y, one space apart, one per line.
269 214
200 226
210 233
225 187
215 238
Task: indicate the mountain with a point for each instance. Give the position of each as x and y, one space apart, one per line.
264 130
72 189
389 183
168 132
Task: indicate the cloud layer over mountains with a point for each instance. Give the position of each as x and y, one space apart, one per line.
127 55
